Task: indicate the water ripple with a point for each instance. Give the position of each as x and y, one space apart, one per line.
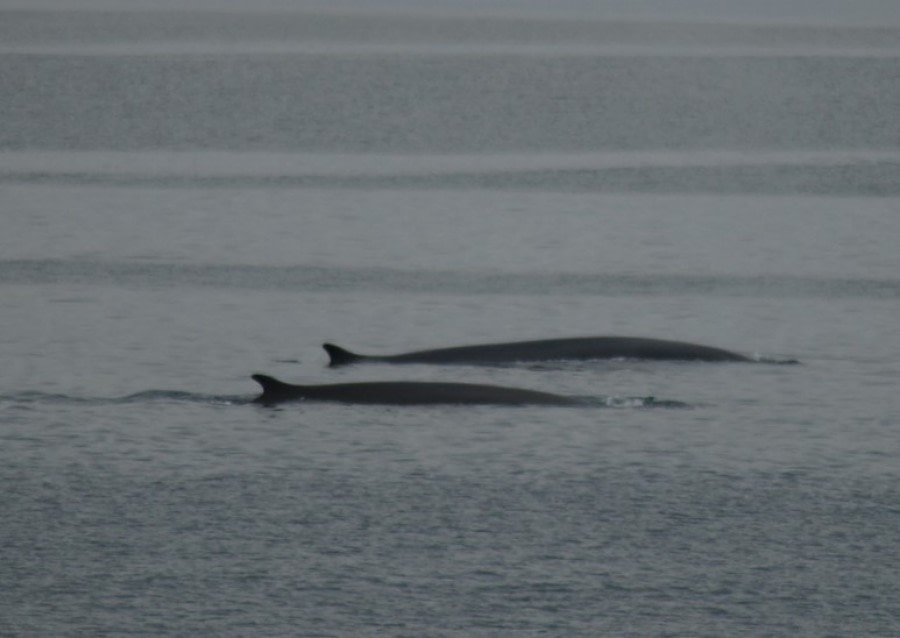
146 396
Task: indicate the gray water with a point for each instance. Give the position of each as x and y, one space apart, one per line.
189 198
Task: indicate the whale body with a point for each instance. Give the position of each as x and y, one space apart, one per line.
573 349
405 393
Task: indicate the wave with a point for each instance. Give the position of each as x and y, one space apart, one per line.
312 278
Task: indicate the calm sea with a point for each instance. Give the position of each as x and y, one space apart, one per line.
189 198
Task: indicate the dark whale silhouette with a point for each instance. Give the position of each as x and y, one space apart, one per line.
578 349
405 393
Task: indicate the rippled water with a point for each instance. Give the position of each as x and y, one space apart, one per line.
175 220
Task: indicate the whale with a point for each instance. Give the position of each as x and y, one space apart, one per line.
275 391
568 349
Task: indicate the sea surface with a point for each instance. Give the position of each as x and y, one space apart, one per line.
190 197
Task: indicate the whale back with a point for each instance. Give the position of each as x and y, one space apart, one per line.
571 349
405 393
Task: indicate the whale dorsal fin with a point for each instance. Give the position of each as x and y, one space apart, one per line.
340 356
274 390
270 385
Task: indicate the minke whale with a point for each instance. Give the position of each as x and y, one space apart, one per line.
573 349
405 393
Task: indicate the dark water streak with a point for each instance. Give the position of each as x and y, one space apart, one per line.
337 279
859 179
446 104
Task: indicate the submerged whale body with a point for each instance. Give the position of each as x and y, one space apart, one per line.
404 393
573 349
